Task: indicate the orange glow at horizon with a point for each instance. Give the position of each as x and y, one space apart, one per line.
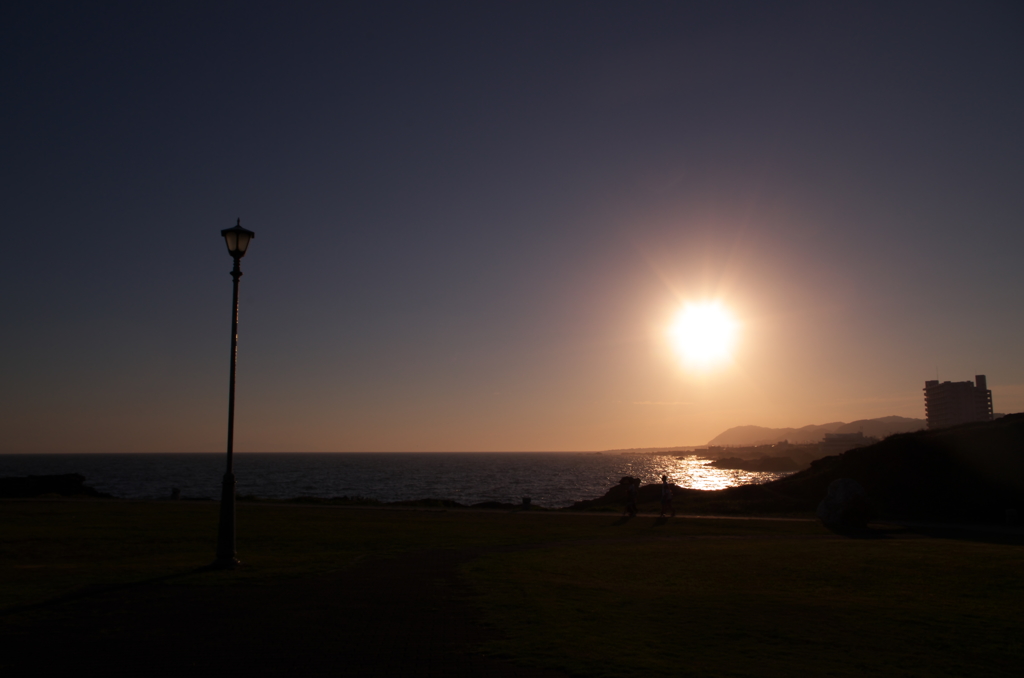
704 334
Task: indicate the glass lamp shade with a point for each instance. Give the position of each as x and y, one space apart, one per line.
237 239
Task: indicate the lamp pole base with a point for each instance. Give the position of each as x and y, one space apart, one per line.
226 537
229 564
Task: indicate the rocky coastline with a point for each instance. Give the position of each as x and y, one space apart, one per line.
972 473
63 485
968 473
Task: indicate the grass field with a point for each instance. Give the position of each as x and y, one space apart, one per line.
588 595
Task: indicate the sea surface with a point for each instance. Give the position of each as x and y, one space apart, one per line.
551 479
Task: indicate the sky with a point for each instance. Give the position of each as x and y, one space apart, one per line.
476 222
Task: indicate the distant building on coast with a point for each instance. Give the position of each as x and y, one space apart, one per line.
957 402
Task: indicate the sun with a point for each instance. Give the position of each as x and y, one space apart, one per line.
704 334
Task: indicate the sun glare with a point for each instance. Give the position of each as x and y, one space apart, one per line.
704 334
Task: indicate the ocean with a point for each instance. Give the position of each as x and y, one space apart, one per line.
550 479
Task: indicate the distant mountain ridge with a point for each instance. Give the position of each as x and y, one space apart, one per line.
881 427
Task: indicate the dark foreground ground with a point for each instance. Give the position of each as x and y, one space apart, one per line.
96 587
394 617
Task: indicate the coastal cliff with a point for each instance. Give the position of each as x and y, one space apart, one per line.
968 473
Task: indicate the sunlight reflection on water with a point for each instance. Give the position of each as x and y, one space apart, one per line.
693 473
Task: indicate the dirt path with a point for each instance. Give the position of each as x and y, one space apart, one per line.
398 617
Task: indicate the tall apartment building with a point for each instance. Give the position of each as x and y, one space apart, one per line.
957 402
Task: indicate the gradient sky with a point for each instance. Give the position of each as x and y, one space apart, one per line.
475 221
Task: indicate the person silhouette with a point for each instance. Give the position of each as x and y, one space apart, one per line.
631 491
667 491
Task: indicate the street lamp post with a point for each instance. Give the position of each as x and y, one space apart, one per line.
237 239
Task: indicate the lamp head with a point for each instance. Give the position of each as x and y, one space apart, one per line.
237 239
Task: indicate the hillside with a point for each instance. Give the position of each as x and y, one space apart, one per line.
973 473
968 473
881 427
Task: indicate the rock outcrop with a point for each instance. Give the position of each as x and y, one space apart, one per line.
66 485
